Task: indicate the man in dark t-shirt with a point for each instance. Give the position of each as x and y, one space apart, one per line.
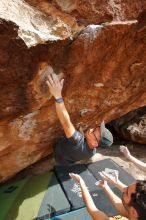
75 148
75 145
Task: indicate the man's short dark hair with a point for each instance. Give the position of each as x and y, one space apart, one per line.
138 199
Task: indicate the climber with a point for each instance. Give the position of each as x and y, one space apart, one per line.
74 146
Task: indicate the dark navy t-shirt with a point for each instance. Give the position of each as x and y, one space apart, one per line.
70 150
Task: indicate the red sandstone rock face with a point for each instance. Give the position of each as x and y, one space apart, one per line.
98 11
103 67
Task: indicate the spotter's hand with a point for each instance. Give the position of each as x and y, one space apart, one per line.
76 177
125 151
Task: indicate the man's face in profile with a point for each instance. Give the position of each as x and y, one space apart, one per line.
93 137
126 198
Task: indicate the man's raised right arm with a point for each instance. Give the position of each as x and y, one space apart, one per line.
55 86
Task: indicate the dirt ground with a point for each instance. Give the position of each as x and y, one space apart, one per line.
47 164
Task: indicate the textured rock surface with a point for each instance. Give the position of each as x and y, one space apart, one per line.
98 11
103 66
132 126
35 27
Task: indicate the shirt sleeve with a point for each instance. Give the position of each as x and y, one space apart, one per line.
76 138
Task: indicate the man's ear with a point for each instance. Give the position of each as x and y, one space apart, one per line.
133 213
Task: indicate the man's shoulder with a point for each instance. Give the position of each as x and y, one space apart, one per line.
76 139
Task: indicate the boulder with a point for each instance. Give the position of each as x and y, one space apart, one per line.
132 126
